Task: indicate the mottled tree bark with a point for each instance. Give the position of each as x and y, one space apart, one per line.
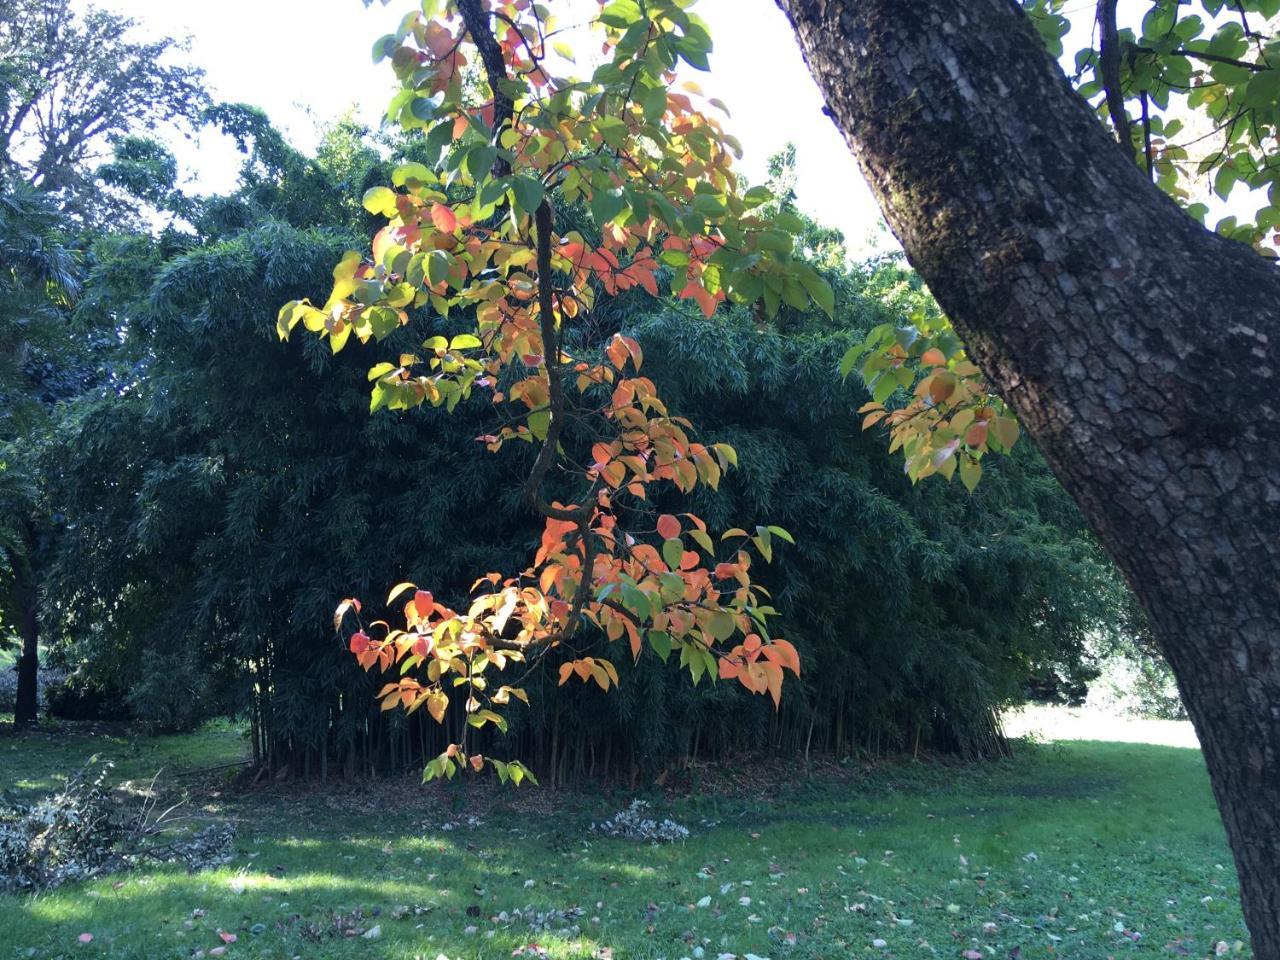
1139 350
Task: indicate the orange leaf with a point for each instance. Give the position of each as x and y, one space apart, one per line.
437 703
443 218
668 527
941 387
773 673
783 652
617 352
933 357
637 355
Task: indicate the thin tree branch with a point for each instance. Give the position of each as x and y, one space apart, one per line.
1110 70
476 19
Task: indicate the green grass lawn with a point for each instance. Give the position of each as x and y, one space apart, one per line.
1078 850
35 762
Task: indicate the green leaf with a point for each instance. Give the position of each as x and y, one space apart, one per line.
528 193
480 161
821 292
383 47
672 551
654 103
970 473
1224 180
408 173
850 359
612 130
721 625
789 222
380 200
465 341
621 13
425 109
775 241
605 205
661 643
1005 430
437 266
400 295
383 320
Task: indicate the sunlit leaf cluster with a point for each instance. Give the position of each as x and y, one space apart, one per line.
474 229
950 419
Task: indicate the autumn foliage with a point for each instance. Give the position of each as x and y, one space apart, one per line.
950 418
476 230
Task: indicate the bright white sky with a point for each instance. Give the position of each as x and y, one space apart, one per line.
307 61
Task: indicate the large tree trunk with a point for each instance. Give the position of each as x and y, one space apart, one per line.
1141 352
27 697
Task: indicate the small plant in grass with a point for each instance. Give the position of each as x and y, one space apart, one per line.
83 830
636 823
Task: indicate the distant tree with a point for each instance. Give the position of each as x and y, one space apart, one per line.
72 84
37 282
217 494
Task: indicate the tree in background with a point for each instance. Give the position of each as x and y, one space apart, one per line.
37 281
216 494
74 90
71 86
1137 348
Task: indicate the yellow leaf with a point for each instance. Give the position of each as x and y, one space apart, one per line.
398 589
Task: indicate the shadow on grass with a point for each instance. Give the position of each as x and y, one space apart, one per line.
1054 848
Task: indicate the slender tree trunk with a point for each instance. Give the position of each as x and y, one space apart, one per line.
25 707
1141 352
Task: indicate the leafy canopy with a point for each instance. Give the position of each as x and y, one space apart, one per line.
479 227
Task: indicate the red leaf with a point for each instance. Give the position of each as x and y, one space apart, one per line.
443 218
668 527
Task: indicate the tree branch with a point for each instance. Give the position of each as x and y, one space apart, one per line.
476 20
1109 68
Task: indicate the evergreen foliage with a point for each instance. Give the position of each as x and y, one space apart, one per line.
222 491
